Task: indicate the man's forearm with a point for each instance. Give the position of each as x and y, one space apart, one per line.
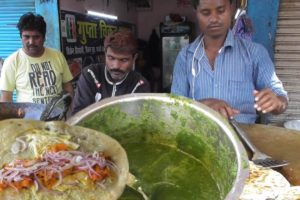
6 96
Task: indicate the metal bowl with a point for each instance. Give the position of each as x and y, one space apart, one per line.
161 118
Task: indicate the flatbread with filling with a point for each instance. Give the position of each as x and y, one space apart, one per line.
54 161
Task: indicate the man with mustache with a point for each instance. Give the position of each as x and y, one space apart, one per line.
233 76
116 77
37 73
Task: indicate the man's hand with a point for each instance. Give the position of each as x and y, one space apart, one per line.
220 106
68 88
266 101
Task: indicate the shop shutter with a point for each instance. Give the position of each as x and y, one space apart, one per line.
287 57
10 12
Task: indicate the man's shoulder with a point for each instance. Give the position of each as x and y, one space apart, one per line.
248 44
93 71
252 50
191 47
136 77
14 58
138 82
96 68
15 55
53 52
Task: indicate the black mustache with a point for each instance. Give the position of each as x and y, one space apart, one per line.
32 46
117 70
214 25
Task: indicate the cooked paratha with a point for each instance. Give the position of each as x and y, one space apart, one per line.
292 193
263 183
54 161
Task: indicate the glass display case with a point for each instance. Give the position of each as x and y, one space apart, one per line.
173 38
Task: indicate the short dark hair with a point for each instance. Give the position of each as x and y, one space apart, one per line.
121 42
195 3
30 21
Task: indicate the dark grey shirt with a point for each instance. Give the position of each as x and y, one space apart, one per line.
95 85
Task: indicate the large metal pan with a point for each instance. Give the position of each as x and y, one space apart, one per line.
190 127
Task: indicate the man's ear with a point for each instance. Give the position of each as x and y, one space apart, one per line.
135 57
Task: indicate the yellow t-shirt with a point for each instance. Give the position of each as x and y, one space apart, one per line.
36 80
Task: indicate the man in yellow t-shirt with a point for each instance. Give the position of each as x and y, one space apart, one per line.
37 73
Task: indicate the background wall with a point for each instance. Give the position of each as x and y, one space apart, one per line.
124 11
147 20
263 13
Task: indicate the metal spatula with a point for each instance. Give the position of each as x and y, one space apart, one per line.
258 158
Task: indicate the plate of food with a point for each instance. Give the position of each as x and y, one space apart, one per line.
51 160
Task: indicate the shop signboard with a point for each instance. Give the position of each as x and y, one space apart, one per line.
82 38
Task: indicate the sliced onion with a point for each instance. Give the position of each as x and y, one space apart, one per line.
54 163
12 185
15 147
23 144
59 179
36 185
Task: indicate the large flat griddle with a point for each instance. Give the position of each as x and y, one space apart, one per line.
280 143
